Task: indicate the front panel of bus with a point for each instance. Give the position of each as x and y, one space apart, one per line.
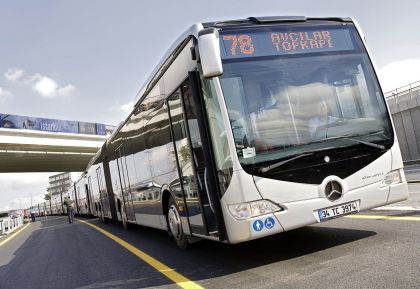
310 127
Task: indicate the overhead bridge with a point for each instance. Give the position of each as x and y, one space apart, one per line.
404 104
45 145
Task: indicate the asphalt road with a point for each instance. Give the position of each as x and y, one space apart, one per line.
343 253
412 173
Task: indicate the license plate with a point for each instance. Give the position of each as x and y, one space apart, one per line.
337 211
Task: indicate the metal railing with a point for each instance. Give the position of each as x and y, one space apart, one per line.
10 224
405 92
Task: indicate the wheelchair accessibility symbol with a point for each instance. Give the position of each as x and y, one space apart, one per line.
269 223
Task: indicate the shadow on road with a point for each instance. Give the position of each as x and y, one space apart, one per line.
57 255
62 255
406 214
209 259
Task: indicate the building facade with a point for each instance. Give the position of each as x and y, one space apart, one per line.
59 183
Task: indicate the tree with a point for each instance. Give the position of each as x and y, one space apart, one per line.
47 197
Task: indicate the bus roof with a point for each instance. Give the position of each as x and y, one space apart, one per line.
194 29
171 53
271 19
167 59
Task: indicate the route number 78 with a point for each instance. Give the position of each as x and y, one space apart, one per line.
243 41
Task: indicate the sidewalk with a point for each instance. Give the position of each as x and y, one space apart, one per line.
412 173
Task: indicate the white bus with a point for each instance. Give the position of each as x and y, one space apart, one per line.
249 128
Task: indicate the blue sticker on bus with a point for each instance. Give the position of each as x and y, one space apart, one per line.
258 225
320 214
269 223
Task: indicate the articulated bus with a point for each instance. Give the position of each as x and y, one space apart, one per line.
79 194
249 128
40 209
57 204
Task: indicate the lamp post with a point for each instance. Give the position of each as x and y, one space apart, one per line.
50 203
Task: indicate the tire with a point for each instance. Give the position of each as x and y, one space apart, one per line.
175 225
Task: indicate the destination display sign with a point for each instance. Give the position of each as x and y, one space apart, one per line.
270 43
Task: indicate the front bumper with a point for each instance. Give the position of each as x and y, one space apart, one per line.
301 213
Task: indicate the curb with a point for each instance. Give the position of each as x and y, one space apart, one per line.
398 208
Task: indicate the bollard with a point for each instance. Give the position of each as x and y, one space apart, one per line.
9 225
6 226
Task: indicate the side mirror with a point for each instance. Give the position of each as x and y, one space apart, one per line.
209 49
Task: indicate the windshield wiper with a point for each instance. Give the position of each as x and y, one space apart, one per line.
352 139
295 157
371 144
276 165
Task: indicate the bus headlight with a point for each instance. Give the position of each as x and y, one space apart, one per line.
391 178
253 209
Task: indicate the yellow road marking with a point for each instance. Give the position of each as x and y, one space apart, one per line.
177 278
13 235
378 217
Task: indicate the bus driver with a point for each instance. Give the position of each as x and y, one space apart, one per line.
322 117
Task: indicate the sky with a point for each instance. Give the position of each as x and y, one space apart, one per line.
86 60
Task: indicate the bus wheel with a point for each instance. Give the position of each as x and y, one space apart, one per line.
175 226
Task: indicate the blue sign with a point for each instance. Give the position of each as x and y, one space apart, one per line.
258 225
269 223
51 125
55 125
14 121
87 128
100 129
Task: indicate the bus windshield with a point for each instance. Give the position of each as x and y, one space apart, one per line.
290 90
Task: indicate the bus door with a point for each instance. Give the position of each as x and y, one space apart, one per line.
103 200
125 184
190 160
89 196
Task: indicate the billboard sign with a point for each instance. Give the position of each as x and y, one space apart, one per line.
51 125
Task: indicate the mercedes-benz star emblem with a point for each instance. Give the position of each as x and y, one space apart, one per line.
333 191
327 159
